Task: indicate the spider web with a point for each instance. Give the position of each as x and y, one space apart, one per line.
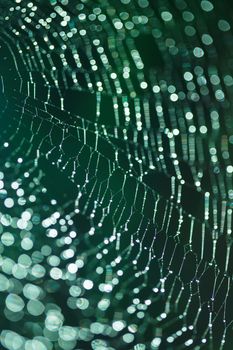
116 175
